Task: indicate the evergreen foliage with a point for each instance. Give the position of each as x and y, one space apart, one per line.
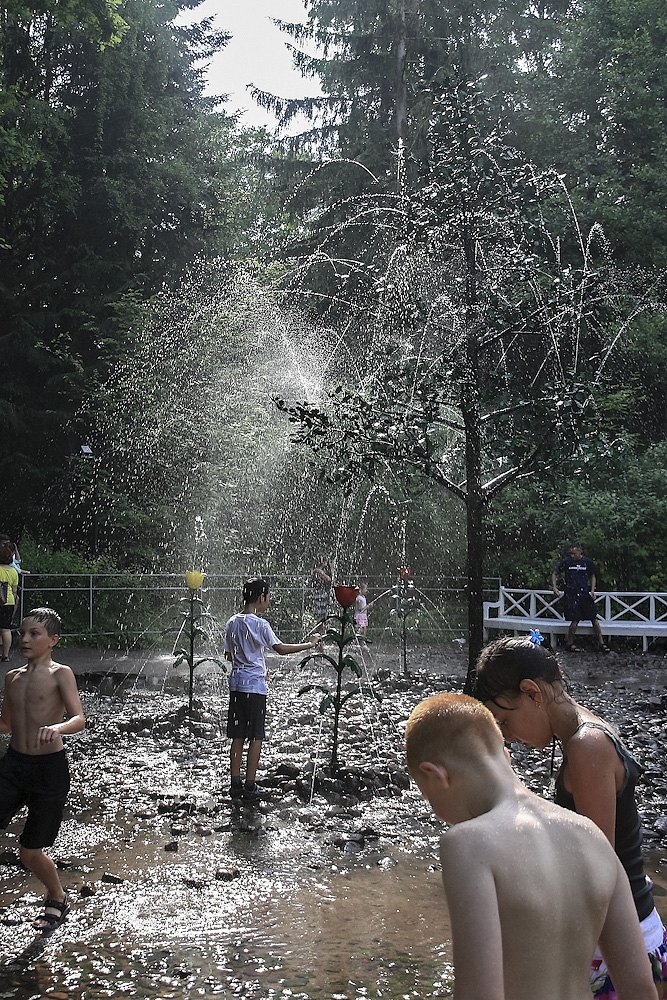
117 173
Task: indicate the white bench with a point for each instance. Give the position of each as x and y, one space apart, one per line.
620 613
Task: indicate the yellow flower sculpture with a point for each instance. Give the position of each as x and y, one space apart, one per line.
194 578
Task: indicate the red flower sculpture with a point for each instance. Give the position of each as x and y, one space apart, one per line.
346 596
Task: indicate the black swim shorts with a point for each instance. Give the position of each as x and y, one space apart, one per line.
246 716
580 607
40 782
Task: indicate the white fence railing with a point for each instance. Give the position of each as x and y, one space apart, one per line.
624 613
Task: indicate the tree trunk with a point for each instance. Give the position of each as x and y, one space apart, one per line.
475 583
470 411
401 97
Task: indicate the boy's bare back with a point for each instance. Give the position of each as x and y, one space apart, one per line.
531 888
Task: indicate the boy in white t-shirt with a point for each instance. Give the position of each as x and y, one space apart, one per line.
246 637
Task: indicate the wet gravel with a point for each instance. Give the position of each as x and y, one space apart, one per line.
179 891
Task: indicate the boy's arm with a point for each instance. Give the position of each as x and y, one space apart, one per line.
75 720
5 715
473 910
228 647
283 648
622 946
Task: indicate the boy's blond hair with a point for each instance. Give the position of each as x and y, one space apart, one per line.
450 726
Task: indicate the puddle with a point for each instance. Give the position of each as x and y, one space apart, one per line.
378 928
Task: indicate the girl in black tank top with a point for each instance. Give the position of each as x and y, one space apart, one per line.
521 683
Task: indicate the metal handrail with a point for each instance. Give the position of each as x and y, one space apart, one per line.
92 584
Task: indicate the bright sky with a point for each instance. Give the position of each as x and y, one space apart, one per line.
256 54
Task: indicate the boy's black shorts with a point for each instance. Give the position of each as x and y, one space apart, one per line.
40 782
246 716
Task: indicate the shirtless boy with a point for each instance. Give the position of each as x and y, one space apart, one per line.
531 888
41 704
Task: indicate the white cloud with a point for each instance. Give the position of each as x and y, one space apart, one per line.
256 55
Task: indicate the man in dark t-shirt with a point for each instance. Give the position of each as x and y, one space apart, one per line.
576 569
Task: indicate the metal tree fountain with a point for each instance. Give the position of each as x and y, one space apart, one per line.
341 634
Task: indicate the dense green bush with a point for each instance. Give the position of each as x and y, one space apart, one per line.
618 512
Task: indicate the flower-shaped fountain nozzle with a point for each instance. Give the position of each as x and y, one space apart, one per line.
346 596
194 579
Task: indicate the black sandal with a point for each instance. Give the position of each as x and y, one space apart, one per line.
571 648
48 922
603 649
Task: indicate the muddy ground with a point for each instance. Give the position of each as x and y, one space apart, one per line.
330 888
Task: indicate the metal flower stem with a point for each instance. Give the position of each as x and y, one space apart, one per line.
346 619
342 636
404 625
191 657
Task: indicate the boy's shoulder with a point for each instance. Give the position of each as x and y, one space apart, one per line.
60 667
527 811
15 672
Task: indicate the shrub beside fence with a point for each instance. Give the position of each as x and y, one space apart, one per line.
127 610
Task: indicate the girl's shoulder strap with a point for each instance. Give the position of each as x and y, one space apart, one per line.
604 728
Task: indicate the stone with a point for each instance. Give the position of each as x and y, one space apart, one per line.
227 874
288 770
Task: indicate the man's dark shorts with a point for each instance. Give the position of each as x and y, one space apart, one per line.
580 607
40 782
246 716
7 615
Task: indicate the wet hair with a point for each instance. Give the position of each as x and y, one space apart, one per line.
450 725
254 589
47 617
6 552
503 664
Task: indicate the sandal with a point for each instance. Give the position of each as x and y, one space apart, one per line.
603 649
571 648
48 922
